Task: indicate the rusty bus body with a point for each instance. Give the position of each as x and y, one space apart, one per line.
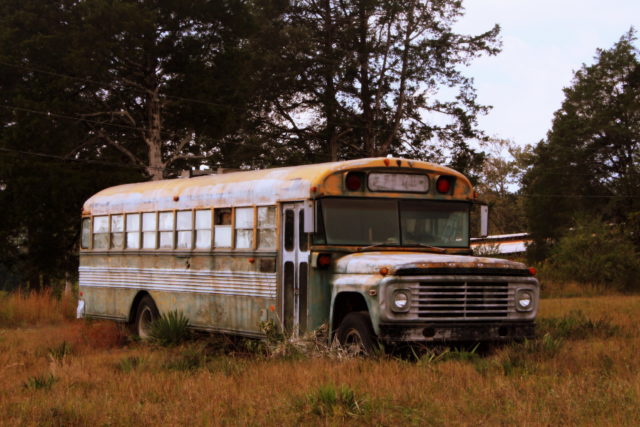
303 246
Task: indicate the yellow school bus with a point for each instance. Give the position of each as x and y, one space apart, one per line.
377 249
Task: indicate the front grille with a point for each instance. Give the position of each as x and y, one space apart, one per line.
463 271
461 300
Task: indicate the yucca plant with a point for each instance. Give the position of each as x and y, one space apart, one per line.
171 328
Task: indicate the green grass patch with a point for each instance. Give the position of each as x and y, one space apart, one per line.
330 400
40 382
576 325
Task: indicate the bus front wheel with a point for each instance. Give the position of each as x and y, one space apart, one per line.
356 336
146 314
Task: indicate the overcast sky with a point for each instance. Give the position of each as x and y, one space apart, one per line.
544 42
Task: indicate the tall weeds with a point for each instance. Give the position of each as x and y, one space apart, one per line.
35 308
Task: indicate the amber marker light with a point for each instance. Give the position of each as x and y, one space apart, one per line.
384 271
252 260
386 162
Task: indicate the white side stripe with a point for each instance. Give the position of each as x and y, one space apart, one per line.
245 283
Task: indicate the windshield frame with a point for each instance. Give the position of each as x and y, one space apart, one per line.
320 237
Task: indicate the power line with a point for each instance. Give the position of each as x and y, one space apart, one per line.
64 116
105 84
71 159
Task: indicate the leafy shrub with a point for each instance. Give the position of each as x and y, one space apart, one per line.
171 328
595 253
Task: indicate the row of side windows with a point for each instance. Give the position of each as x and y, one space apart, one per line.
242 228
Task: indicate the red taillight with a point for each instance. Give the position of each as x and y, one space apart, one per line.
533 271
324 260
443 184
354 181
81 293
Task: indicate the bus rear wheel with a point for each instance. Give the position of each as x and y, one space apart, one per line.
356 336
146 314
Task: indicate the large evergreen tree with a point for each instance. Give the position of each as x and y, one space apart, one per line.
100 92
368 76
590 161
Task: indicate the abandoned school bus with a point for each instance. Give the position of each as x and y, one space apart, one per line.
376 248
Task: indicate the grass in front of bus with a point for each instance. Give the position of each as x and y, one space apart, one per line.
583 369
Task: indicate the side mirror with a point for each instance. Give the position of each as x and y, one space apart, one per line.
484 220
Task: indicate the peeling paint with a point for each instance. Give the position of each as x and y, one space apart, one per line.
371 262
259 187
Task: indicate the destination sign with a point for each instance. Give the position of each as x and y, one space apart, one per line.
403 182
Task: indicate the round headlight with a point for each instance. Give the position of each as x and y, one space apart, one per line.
524 300
401 301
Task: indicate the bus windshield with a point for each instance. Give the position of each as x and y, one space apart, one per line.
392 222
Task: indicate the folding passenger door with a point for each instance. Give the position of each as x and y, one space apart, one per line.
294 268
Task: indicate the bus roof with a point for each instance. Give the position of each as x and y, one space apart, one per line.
256 187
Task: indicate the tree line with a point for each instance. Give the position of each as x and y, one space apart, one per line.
99 92
95 93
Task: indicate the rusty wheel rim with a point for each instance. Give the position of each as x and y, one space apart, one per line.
353 343
144 324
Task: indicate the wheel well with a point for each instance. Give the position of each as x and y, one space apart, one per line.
345 303
134 305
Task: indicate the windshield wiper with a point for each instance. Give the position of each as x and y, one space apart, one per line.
377 245
421 245
435 248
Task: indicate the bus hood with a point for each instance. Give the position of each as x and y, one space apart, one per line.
406 262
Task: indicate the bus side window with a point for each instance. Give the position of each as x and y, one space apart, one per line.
203 229
149 224
133 231
267 227
165 226
86 233
117 231
222 228
184 226
100 232
244 228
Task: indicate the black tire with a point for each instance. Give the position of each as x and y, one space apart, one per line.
146 313
356 336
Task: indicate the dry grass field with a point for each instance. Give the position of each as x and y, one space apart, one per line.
584 369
